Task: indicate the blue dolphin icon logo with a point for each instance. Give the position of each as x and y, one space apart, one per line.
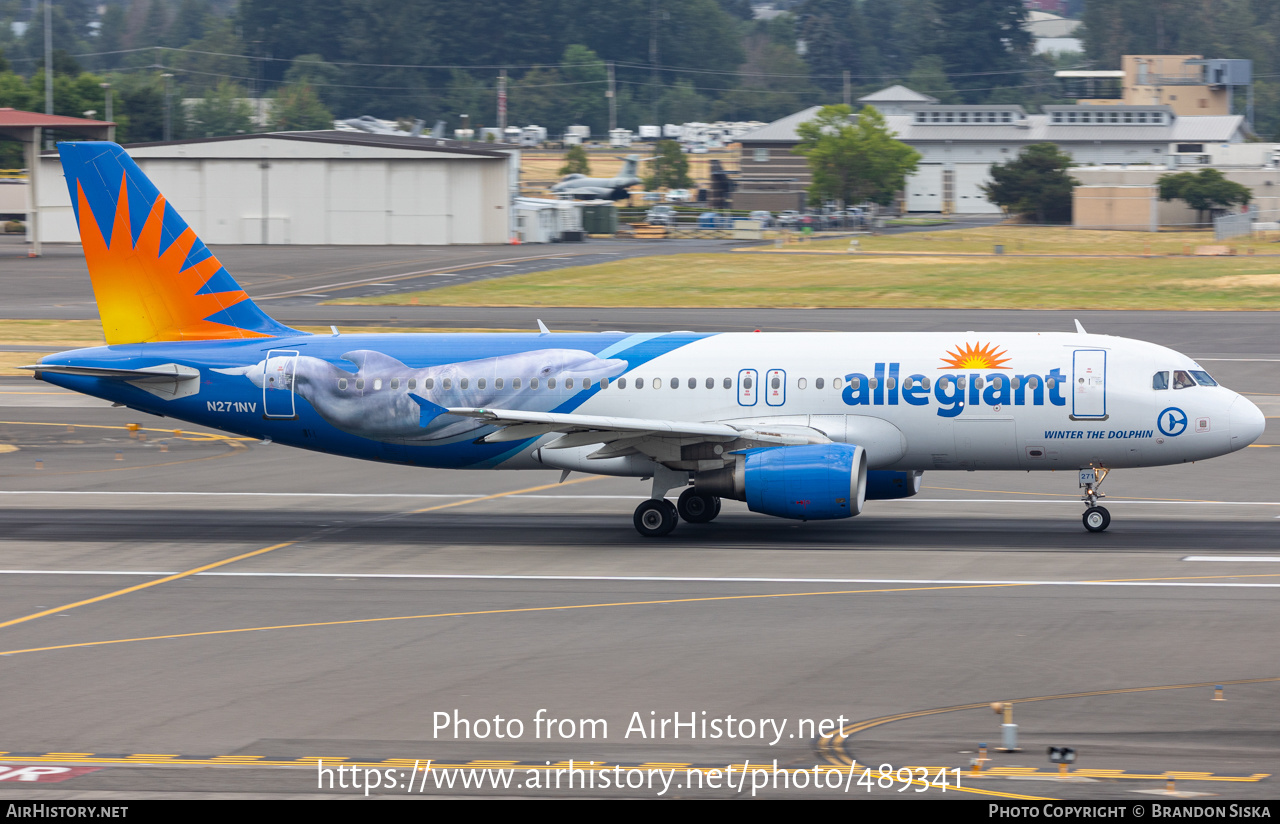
1172 421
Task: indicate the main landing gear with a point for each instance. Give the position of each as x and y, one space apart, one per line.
1096 518
657 517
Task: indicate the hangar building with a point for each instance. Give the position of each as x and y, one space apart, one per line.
319 188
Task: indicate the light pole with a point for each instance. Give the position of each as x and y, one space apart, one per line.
107 88
168 115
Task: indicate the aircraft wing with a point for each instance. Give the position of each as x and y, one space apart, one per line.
661 439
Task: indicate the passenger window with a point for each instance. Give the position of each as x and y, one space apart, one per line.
551 383
447 383
465 384
925 383
395 383
568 383
604 383
1160 380
711 383
515 383
342 384
693 383
622 383
1181 380
960 381
360 384
977 382
856 383
377 384
801 383
728 383
497 383
746 383
413 384
657 383
639 383
533 383
675 383
836 383
776 383
429 383
817 383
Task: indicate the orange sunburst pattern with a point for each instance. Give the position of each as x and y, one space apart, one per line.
975 356
145 294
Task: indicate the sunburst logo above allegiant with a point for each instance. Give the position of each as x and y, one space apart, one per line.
975 356
156 281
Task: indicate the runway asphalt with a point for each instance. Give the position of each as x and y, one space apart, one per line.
196 616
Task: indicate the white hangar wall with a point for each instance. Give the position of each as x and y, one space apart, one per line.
292 190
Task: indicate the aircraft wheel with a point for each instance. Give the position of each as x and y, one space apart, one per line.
697 507
1096 519
653 519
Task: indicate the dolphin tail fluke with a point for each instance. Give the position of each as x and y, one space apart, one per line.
428 411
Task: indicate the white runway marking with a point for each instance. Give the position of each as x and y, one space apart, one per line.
1234 559
648 578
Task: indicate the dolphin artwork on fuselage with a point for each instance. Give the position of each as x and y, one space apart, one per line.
385 400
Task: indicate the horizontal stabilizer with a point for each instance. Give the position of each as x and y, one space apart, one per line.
168 381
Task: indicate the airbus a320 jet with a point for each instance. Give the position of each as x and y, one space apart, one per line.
805 426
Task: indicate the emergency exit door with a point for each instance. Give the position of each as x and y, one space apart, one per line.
1089 384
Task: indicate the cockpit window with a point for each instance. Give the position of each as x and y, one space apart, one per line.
1160 380
1203 378
1181 380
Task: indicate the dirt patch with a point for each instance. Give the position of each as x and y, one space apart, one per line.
1239 282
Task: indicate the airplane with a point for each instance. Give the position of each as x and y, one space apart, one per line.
581 187
371 124
807 426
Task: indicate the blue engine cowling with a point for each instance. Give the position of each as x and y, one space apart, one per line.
883 485
810 482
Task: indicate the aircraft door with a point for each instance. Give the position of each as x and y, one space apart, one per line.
277 384
775 387
748 387
1089 385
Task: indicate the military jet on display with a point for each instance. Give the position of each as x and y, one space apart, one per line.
368 123
581 187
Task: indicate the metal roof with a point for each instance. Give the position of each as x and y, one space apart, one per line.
781 131
897 94
384 141
15 118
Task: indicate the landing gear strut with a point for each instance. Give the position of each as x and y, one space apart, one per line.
1096 518
697 507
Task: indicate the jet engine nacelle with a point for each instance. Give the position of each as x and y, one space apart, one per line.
883 485
809 482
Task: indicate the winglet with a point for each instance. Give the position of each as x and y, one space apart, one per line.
542 328
1080 328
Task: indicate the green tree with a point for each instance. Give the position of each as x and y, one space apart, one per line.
669 167
298 108
854 160
575 162
1035 184
1204 191
928 77
223 111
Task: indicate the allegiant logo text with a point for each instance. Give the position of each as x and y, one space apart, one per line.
953 391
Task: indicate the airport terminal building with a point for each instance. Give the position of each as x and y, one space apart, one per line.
319 188
960 143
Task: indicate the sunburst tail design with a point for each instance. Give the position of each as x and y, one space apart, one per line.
153 278
975 356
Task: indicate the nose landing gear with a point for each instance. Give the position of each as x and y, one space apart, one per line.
1096 518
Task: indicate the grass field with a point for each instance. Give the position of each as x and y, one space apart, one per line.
1042 240
744 279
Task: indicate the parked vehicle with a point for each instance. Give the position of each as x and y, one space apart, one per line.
678 196
660 215
714 220
765 218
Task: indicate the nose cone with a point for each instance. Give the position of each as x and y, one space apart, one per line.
1247 423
